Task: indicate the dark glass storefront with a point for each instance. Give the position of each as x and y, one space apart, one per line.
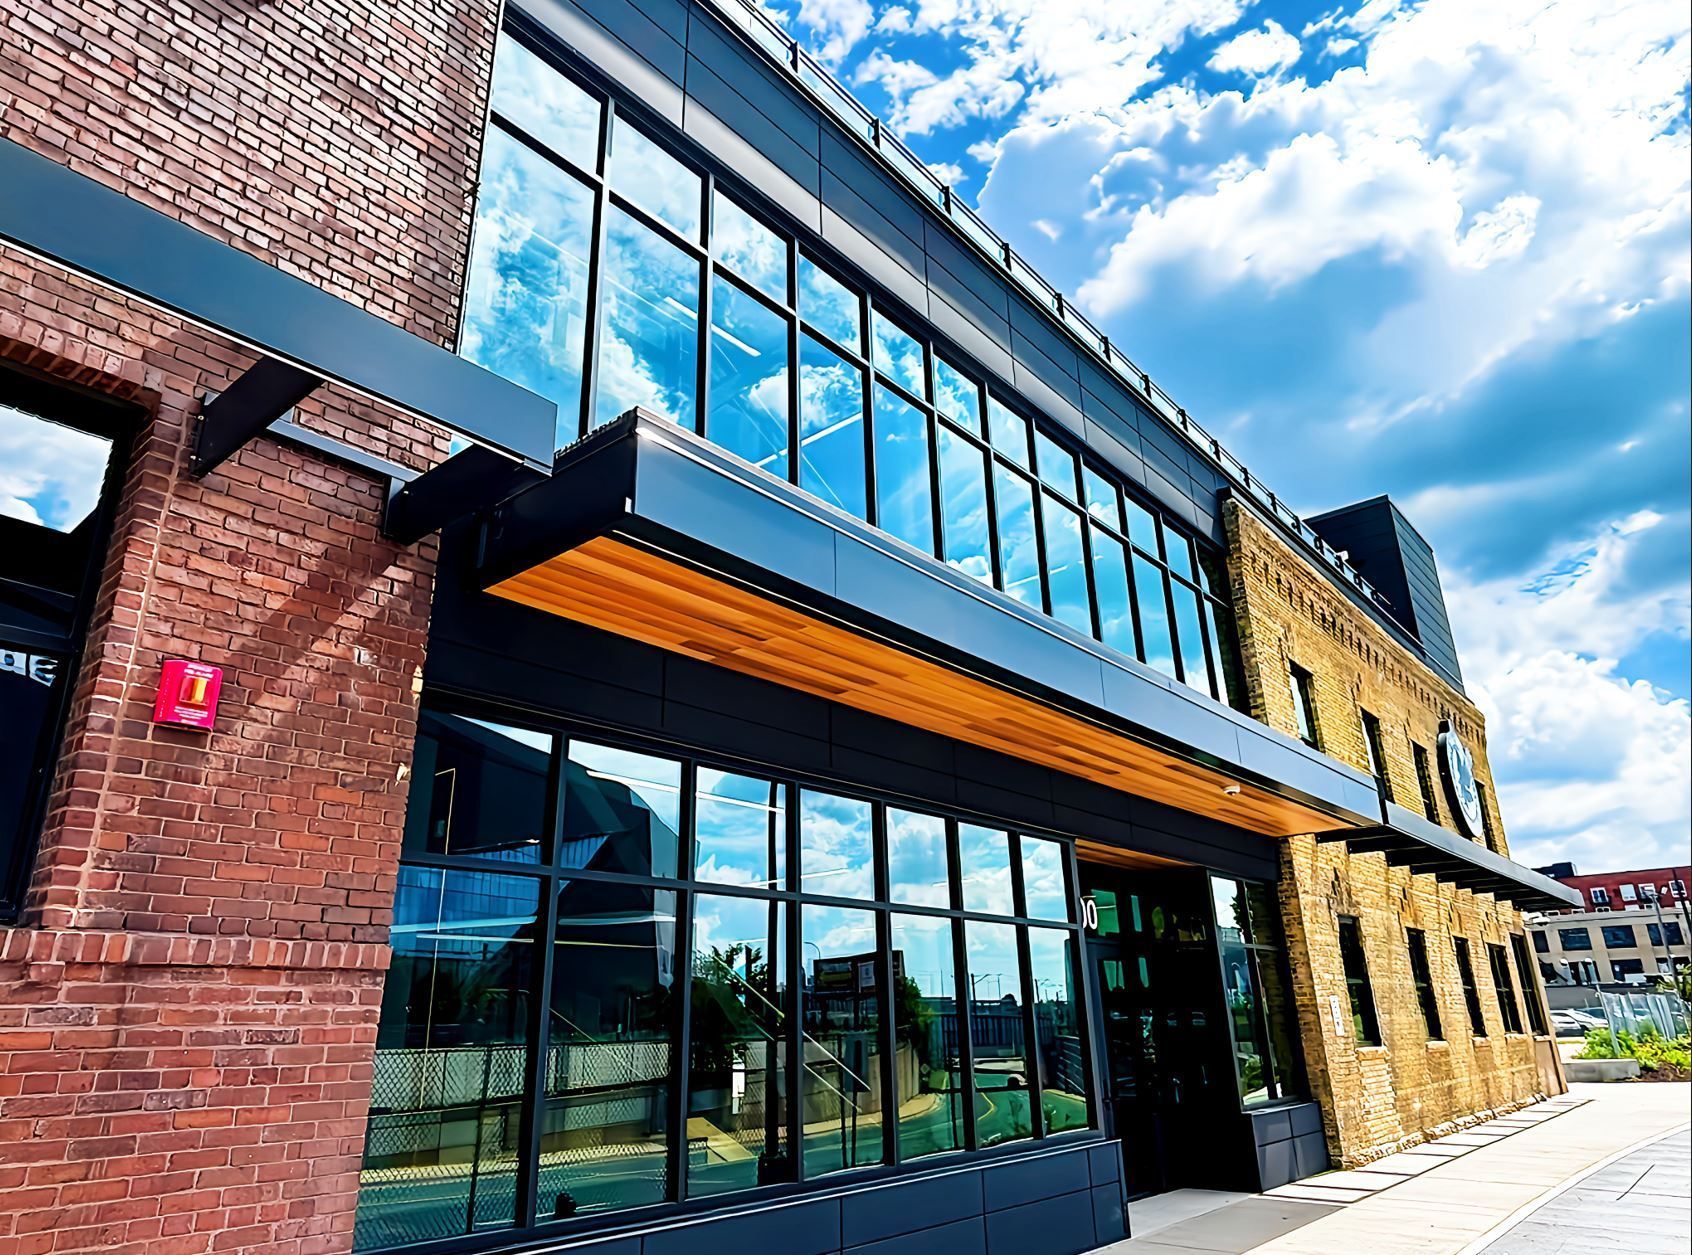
626 978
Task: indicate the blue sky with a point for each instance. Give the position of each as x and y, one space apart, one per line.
1438 250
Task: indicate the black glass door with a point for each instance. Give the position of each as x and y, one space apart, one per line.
1162 1039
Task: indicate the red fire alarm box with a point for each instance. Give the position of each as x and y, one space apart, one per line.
188 694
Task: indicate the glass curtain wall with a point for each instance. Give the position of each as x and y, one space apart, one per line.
625 978
606 273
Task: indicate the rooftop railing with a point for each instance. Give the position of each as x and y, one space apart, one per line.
823 87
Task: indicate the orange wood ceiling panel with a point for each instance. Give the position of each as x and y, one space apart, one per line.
620 588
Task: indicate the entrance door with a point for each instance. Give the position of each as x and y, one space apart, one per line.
1163 1042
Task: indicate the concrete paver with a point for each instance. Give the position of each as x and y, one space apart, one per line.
1600 1164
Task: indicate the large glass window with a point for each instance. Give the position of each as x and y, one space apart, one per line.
831 428
836 846
57 482
452 1054
622 811
1059 1051
830 306
546 104
531 1068
1156 642
1260 1011
737 1032
1066 565
525 301
841 1104
1530 985
984 869
605 1125
904 499
967 542
649 324
749 407
930 1093
749 248
740 830
1019 547
1574 938
997 1033
918 866
907 454
653 179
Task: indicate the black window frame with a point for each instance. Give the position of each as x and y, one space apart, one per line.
1421 976
1566 939
1307 724
1374 745
116 422
1365 1020
1620 936
1425 781
1471 989
1537 1021
563 730
1504 986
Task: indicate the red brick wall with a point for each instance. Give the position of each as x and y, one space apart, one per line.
188 1008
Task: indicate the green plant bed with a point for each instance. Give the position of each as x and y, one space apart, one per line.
1659 1058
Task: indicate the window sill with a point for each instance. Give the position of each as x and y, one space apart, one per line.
1438 1045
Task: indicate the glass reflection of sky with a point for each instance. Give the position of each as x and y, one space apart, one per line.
831 428
1110 590
50 474
546 104
1055 463
654 180
916 859
740 830
1154 616
1066 567
963 515
898 355
903 493
1043 887
1008 432
1102 502
749 248
1019 554
525 302
649 341
1192 641
653 783
956 394
829 305
984 855
835 846
749 395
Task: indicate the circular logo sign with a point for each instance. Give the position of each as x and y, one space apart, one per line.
1457 770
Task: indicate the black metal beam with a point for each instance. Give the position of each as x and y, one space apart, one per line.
71 220
267 391
471 479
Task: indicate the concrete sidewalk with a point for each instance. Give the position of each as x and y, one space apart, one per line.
1471 1192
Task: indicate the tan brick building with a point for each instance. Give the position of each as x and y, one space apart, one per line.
1411 1085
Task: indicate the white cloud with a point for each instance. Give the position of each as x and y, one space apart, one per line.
1590 765
1526 169
1257 53
50 474
841 23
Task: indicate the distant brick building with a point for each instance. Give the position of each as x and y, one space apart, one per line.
587 657
1632 927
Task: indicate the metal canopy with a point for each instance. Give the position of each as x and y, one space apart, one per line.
305 336
1410 841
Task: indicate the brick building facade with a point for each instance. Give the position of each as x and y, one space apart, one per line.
1378 1099
194 989
188 1008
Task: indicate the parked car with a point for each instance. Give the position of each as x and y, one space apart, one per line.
1571 1023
